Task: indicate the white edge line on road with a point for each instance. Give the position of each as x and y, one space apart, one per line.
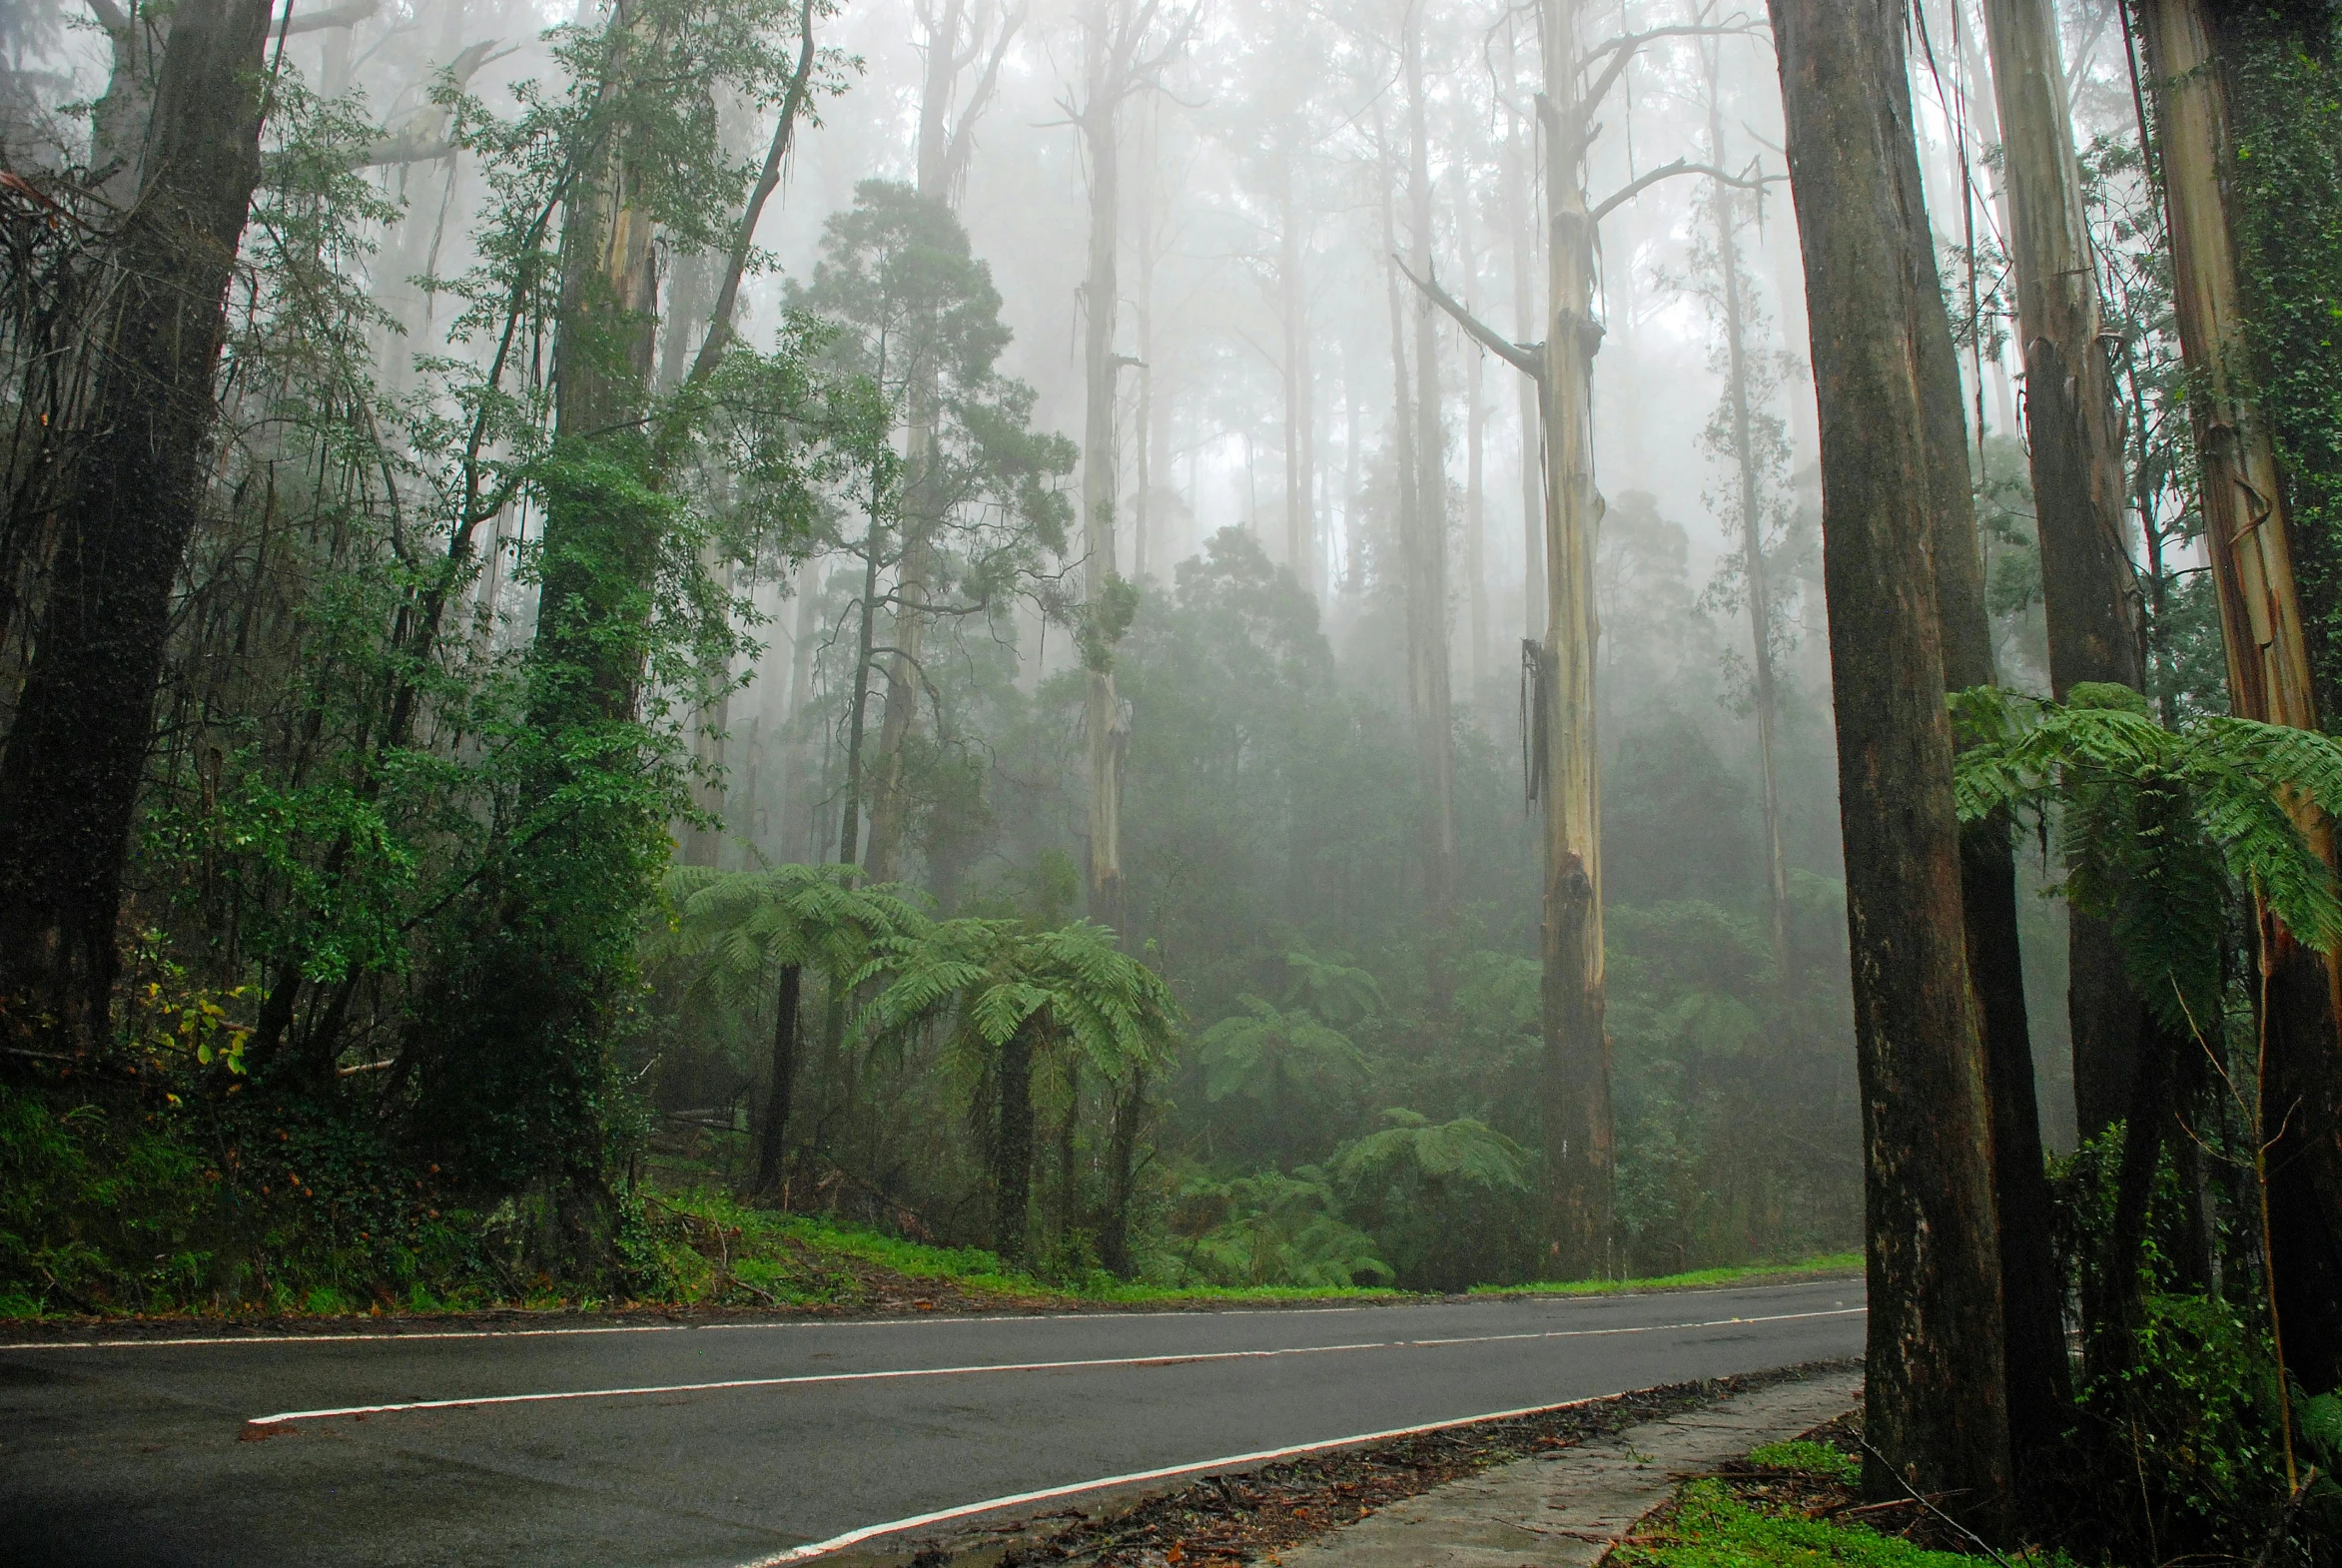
379 1337
267 1425
1263 1456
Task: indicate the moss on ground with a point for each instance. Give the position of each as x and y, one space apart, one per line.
1711 1528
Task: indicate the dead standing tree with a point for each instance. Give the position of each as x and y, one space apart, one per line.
1580 1141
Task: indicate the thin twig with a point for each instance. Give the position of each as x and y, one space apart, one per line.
1931 1507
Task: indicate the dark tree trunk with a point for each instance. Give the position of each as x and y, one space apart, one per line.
1936 1403
1069 1193
772 1138
2301 1115
2079 487
2038 1379
1114 1243
2112 1319
1011 1149
70 777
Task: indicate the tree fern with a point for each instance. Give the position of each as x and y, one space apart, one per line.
2160 830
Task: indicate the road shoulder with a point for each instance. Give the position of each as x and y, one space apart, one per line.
1260 1513
1568 1509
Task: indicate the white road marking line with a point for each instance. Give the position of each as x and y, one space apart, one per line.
365 1338
264 1425
871 1532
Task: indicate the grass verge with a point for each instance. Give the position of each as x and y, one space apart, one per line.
1743 1274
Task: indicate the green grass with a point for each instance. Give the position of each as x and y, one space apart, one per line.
1827 1264
1808 1459
1712 1530
782 1256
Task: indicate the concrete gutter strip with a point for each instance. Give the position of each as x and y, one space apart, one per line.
1568 1509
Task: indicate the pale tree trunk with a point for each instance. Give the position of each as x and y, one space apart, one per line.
1579 1129
866 621
2269 677
77 750
1154 426
1353 474
1107 44
610 291
1300 459
2079 484
1936 1405
1476 471
797 787
1756 571
1521 196
1402 438
1426 547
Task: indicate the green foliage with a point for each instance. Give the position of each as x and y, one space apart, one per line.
1448 1202
733 931
1264 1055
2190 1424
1266 1229
1410 1148
992 979
2161 829
2284 83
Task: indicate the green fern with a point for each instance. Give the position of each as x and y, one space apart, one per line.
733 931
1460 1150
2160 830
991 979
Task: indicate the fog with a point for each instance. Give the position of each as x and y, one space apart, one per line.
1209 625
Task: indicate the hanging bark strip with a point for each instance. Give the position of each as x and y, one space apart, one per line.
76 756
2246 536
1935 1364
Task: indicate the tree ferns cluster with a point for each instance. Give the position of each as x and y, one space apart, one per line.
1208 642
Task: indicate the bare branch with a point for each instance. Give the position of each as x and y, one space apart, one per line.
349 14
428 135
1624 47
1640 183
962 143
1528 358
719 326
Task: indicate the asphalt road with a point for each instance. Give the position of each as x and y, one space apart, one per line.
610 1447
